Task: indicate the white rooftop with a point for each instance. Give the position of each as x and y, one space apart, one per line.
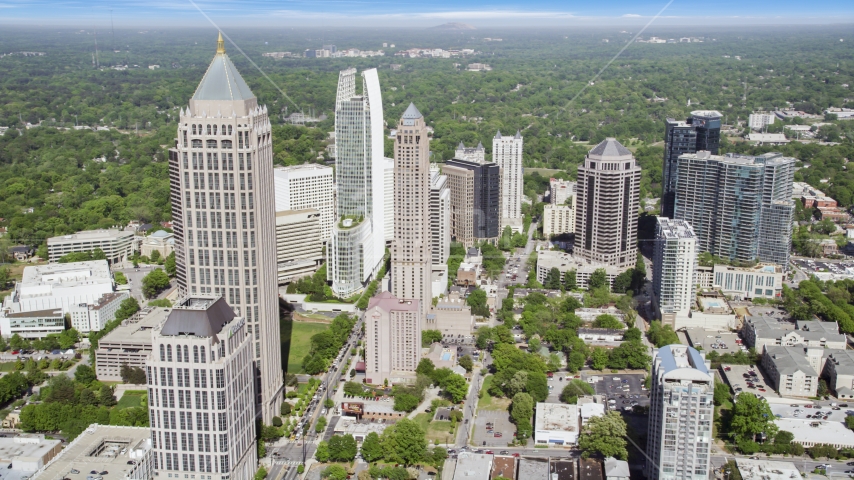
473 466
766 470
66 275
811 432
91 236
102 448
556 416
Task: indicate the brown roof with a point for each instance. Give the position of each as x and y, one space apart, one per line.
503 466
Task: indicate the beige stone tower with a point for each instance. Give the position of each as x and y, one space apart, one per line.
411 252
223 211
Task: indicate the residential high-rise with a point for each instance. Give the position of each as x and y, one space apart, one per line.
200 379
392 338
560 191
440 217
472 154
681 413
701 131
388 201
223 213
301 187
740 207
559 219
411 249
475 200
606 208
507 154
358 236
674 268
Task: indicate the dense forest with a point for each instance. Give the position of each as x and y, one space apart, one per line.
540 84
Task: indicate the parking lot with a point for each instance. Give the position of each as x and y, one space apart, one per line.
500 425
713 340
812 266
625 390
741 377
811 411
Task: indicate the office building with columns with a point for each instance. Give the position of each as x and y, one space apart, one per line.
223 214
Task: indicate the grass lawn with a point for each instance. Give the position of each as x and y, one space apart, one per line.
488 402
437 430
299 343
131 398
7 366
543 171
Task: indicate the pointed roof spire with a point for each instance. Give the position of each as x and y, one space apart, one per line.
479 145
461 146
498 135
518 135
220 44
411 112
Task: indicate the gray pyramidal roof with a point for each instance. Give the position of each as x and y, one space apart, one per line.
222 82
411 112
610 147
198 322
498 135
518 135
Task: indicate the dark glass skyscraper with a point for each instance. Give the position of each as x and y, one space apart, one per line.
475 189
701 131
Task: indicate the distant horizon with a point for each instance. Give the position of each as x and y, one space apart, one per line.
385 14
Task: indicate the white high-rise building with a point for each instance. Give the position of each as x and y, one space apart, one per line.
223 213
411 249
681 413
760 120
357 247
560 190
558 219
301 187
388 215
201 397
440 216
674 267
472 154
507 153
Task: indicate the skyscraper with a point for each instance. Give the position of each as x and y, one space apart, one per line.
223 200
681 411
674 268
701 131
358 236
740 206
411 249
440 217
475 200
507 153
606 221
201 403
300 187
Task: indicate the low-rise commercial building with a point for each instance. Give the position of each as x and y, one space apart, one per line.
116 244
123 452
761 281
766 469
59 286
451 316
503 466
616 469
299 243
28 453
473 466
128 344
761 331
600 335
93 317
564 262
556 424
32 324
809 432
794 370
534 468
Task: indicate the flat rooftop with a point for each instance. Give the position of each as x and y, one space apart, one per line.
29 446
473 466
563 261
675 229
101 448
67 274
136 333
555 416
91 236
766 469
533 468
808 431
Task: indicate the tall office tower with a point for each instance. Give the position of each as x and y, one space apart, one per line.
674 268
201 405
560 190
300 187
411 249
606 208
299 248
475 200
223 199
701 131
680 415
740 207
472 154
357 247
388 185
392 339
507 153
440 216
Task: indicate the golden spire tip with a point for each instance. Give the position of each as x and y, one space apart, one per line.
220 44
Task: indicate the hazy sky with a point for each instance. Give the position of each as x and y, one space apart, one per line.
400 13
